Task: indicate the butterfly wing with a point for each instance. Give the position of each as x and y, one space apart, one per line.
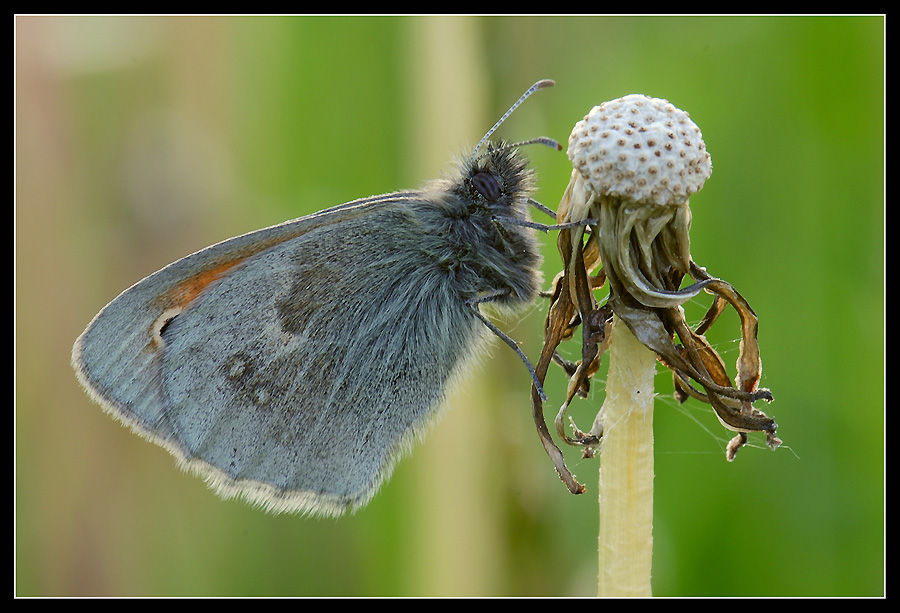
290 365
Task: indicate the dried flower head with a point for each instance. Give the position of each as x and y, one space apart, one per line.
637 160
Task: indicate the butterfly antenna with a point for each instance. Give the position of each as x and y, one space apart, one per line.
539 85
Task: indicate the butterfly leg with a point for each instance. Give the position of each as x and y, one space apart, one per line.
473 303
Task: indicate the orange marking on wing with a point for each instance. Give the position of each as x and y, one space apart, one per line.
185 292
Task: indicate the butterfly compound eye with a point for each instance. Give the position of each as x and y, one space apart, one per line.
487 186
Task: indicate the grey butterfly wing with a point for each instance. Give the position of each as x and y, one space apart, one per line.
291 365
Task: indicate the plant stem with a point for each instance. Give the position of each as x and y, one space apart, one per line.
626 473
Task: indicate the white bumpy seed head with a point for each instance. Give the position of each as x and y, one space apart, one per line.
640 149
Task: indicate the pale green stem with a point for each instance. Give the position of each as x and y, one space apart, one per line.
626 468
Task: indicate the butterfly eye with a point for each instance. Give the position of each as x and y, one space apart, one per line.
487 186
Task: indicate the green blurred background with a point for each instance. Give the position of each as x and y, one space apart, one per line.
140 140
